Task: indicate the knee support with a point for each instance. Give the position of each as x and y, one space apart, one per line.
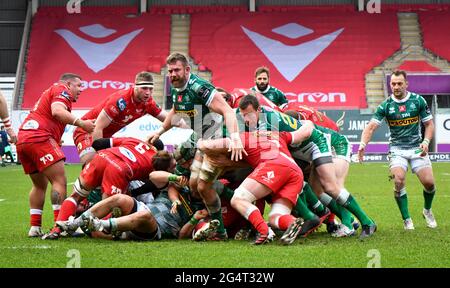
209 172
195 168
244 194
80 190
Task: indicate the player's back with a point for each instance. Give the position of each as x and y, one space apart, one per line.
312 114
136 153
263 146
40 124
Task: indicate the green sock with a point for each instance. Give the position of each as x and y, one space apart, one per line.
341 213
227 193
346 199
311 199
218 215
428 197
302 210
354 208
402 202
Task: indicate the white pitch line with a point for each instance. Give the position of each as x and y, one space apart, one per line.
2 200
32 247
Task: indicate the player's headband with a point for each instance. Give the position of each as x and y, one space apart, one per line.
144 84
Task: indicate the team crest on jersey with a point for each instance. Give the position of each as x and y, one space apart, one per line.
412 106
121 104
402 108
65 94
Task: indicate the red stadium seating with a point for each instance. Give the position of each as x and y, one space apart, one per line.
170 9
103 45
417 66
435 34
349 45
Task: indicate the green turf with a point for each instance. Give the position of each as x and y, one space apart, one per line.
369 184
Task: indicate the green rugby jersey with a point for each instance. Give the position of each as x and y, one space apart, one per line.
403 118
191 103
273 94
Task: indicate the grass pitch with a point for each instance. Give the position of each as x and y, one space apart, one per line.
391 246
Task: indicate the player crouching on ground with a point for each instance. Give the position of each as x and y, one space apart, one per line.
113 168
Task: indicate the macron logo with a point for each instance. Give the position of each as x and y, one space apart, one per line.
291 60
97 56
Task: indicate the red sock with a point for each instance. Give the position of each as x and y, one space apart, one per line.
258 222
284 221
56 209
331 217
36 217
68 208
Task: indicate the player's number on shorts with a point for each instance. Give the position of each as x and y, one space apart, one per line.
46 158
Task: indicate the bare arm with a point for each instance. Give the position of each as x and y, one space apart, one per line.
162 116
186 230
219 105
366 135
101 123
161 178
214 147
303 133
4 117
60 113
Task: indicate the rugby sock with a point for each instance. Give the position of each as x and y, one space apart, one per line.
345 199
428 197
68 208
402 201
56 208
312 199
215 211
256 219
302 210
285 221
36 217
340 211
110 225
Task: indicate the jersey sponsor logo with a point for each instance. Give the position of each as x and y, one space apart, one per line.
180 98
65 94
275 50
30 125
391 110
190 113
121 104
92 53
402 108
127 153
404 122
